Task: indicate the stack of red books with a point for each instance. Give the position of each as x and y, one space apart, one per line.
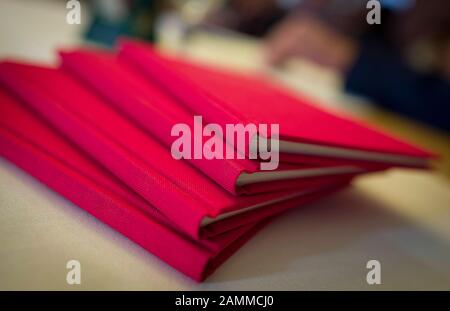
110 131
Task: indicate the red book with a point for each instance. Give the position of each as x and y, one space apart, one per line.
28 142
305 129
157 112
184 195
35 147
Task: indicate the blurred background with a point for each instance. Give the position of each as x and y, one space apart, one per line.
395 74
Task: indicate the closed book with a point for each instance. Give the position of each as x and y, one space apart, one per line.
35 147
189 199
157 112
305 129
31 144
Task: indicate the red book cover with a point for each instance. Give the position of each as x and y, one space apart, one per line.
157 112
30 144
305 129
190 200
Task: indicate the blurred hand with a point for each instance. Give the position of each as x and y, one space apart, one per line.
307 37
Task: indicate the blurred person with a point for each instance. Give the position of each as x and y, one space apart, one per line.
402 64
253 17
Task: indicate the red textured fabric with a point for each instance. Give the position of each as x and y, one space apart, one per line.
233 98
28 142
142 101
180 192
36 148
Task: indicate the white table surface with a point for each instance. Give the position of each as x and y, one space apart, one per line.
401 218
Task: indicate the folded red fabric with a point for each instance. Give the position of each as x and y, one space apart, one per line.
225 97
27 141
97 131
35 147
180 192
142 101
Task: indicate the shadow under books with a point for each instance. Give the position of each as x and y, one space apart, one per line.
324 227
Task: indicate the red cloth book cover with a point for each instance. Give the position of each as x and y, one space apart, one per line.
36 148
305 129
157 112
188 198
28 142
